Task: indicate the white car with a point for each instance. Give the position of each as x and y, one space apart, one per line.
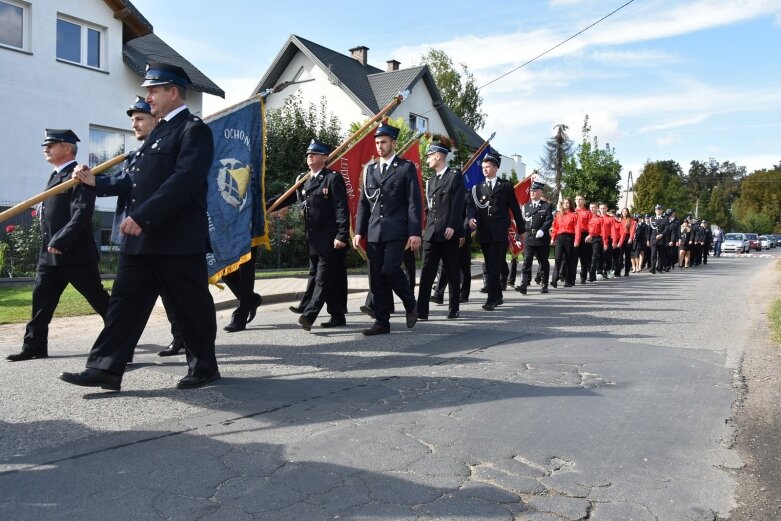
735 243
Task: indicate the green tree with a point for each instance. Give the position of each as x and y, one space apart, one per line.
458 89
592 171
289 129
660 182
558 150
758 209
718 208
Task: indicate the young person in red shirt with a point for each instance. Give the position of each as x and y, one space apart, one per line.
565 235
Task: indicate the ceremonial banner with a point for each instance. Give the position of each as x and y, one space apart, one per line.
522 194
236 197
474 174
351 165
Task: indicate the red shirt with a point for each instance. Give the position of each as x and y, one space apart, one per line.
566 223
595 225
618 233
607 229
584 216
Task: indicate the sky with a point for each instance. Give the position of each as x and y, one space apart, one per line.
659 79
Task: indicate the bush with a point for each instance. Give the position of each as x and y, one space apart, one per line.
23 247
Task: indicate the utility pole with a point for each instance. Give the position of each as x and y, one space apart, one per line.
629 187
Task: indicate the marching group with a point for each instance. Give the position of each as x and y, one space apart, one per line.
162 228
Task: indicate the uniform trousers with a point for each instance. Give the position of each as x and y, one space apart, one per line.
386 277
541 252
330 285
627 253
464 282
433 253
139 281
241 283
658 257
310 285
607 258
584 254
50 282
565 256
493 253
596 257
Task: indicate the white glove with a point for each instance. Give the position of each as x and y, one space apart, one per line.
539 234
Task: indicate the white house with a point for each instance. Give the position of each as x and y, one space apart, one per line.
74 64
356 91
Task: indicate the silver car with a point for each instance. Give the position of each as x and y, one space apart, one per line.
735 243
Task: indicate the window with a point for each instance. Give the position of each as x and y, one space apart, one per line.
105 144
13 24
418 123
80 43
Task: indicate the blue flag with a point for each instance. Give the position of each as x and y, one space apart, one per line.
474 174
236 198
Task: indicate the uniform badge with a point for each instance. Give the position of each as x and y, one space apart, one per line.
320 177
325 193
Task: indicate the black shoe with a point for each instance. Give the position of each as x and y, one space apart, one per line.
463 298
376 329
412 318
504 287
483 290
592 279
305 323
28 354
583 282
369 311
334 322
254 308
436 299
173 348
500 302
422 317
93 378
652 271
568 284
617 274
544 289
538 279
191 382
234 326
489 306
554 283
521 289
452 315
295 309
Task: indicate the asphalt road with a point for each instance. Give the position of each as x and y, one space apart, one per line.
615 401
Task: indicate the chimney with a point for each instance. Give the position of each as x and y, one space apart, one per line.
393 65
360 53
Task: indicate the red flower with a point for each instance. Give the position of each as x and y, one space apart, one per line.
34 213
10 228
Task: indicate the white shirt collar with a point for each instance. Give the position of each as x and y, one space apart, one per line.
59 168
389 161
442 172
170 115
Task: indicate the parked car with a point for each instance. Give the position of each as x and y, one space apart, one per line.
767 241
735 243
753 241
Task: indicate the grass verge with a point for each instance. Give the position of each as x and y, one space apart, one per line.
16 303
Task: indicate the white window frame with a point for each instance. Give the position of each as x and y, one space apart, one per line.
25 7
84 42
413 120
130 143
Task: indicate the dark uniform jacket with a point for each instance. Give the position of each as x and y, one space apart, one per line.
674 231
326 215
66 223
166 189
658 227
491 209
540 218
390 206
444 206
641 235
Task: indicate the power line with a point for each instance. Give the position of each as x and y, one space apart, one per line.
556 46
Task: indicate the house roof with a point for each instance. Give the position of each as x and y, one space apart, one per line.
371 88
142 45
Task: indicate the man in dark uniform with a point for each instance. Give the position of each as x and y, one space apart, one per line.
464 264
673 238
656 238
444 222
538 217
707 240
389 216
327 230
165 238
488 211
68 252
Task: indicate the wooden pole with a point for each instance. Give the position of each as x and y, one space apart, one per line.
333 156
477 154
25 205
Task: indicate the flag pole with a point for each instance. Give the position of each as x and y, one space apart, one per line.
477 154
32 201
345 144
406 146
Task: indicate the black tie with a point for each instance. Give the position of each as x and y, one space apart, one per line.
384 169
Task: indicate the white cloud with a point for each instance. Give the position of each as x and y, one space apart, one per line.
648 58
758 161
665 141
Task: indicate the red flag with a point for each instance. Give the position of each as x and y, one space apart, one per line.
522 194
351 165
413 154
